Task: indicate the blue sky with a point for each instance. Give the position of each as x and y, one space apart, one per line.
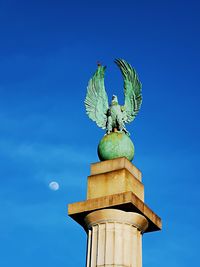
48 52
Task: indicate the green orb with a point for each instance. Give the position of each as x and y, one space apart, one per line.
115 145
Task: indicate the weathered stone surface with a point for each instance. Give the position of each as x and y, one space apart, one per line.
115 238
115 164
126 201
114 182
115 215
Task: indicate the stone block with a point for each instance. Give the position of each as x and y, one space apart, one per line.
115 164
126 201
114 182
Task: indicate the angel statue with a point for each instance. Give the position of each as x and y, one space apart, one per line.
113 117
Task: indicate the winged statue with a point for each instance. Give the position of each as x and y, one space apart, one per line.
113 117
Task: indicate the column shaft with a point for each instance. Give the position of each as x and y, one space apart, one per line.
114 238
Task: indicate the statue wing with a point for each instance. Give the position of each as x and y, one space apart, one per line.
132 90
96 101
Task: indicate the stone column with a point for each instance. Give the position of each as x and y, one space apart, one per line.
114 214
115 238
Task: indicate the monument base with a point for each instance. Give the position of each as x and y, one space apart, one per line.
114 214
129 196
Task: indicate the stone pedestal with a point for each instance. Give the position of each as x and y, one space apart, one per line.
114 215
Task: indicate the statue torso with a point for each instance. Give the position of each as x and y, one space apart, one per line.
115 111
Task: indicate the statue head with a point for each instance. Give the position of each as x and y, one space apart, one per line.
114 99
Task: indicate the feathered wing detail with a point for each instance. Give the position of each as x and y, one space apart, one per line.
96 101
132 90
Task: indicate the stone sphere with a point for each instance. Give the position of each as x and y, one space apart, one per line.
115 145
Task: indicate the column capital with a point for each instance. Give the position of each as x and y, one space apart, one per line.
113 215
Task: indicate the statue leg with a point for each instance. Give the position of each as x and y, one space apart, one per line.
109 125
120 123
122 126
126 131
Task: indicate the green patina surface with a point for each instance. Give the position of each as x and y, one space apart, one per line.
113 117
115 145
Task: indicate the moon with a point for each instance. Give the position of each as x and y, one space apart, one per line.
54 186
